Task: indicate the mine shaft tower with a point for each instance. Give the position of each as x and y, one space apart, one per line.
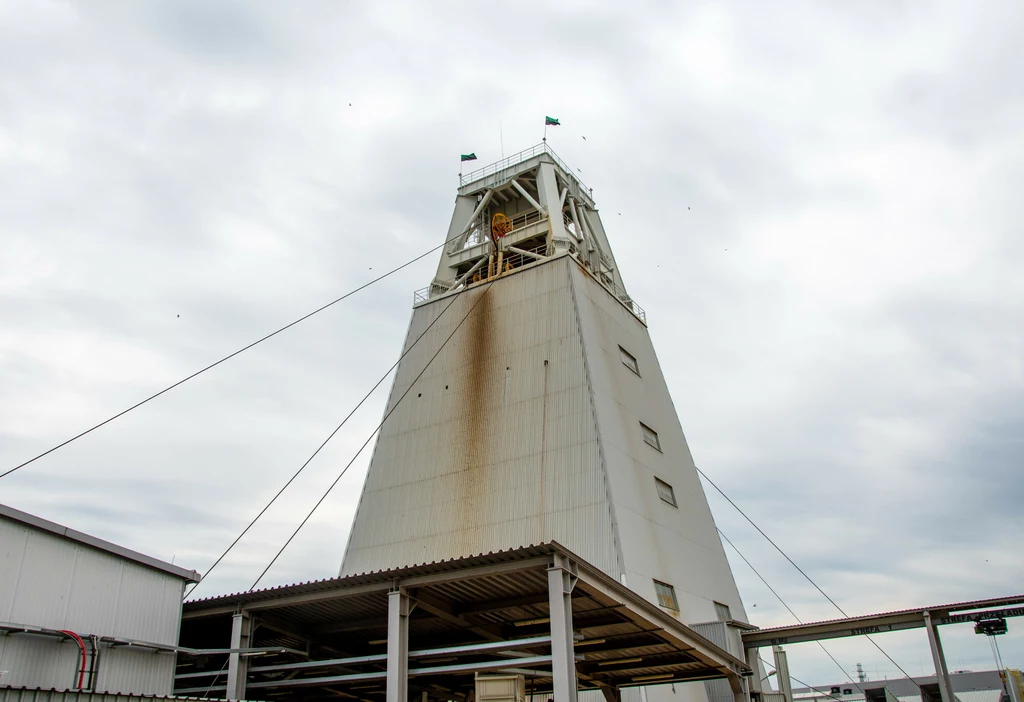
546 416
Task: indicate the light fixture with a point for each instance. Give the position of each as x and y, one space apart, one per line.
621 660
590 642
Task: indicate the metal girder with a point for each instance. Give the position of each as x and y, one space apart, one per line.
445 611
562 579
398 646
941 672
877 623
782 668
461 279
277 603
529 198
241 630
576 221
413 672
606 590
832 630
488 647
536 256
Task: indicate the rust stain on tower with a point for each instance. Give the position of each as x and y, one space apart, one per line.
477 420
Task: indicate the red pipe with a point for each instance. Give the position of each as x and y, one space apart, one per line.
81 645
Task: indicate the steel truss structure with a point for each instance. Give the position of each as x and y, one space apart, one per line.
540 611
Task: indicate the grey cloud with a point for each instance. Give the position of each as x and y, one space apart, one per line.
849 370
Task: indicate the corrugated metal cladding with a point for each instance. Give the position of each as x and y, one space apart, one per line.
674 544
21 694
496 446
55 583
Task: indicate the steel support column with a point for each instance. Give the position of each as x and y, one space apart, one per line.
782 673
561 581
398 647
941 672
756 684
238 667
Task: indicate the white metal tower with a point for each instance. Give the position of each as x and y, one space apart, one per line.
546 417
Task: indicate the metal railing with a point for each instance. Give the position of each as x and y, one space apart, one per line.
481 231
517 260
511 259
516 159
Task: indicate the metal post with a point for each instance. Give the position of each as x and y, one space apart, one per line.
755 665
941 672
782 673
398 647
563 659
238 666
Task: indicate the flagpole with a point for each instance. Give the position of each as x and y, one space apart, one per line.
545 139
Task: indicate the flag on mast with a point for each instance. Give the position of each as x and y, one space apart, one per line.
551 122
469 157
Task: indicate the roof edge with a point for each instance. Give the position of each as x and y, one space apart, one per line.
16 515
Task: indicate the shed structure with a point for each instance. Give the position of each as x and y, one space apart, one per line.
423 632
80 613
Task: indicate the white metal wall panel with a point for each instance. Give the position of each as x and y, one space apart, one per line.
21 694
56 583
491 449
677 545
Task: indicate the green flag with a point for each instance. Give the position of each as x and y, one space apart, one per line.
551 122
469 157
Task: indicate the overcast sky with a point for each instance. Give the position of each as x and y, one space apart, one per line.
818 204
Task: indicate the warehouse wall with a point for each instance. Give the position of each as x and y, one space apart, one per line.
56 583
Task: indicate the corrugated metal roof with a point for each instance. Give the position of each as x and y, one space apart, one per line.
623 635
380 576
16 515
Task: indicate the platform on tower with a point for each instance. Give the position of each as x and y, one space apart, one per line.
539 611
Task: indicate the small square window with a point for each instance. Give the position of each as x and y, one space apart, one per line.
629 360
722 612
650 436
847 690
666 595
665 491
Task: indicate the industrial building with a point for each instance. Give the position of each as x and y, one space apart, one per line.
529 407
532 522
967 686
80 613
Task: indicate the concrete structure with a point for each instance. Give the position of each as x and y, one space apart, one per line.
79 613
544 415
425 632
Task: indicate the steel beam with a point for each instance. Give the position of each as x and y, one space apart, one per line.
529 198
881 623
488 647
941 672
415 672
444 610
606 590
241 629
782 673
398 646
561 581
